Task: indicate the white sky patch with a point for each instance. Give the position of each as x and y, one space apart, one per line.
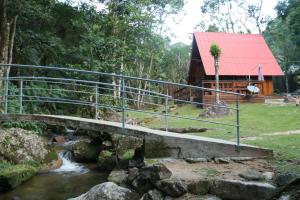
180 27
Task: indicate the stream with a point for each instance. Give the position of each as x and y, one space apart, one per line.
70 180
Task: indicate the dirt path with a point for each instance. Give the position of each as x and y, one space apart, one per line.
186 171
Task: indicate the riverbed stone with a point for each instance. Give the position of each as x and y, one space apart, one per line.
147 176
172 187
153 195
243 190
106 160
108 191
85 150
118 176
198 187
252 175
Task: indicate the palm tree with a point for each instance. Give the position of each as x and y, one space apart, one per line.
215 51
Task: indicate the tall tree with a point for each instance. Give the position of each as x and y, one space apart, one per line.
282 35
235 15
215 52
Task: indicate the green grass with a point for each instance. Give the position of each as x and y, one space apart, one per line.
255 119
286 151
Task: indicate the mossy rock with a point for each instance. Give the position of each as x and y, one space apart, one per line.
106 160
86 150
13 175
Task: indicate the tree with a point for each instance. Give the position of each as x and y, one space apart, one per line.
7 38
282 35
235 15
215 52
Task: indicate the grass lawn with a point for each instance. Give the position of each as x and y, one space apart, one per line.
256 121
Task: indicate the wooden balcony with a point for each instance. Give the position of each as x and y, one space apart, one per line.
208 97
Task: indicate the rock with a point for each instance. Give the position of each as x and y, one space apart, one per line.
125 143
106 145
199 187
197 197
14 175
106 160
290 191
196 160
217 110
171 187
132 174
268 176
155 172
85 150
222 160
58 139
209 197
153 195
285 179
118 176
108 191
251 175
241 190
241 159
20 146
146 177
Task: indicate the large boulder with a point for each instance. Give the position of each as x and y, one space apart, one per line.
172 187
13 175
242 190
144 179
85 150
118 176
108 191
20 146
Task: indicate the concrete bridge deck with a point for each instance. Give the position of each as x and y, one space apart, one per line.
159 143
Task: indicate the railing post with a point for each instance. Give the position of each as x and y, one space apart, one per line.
96 101
166 113
237 123
123 102
21 96
6 92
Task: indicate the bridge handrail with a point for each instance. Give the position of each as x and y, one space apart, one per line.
127 93
120 76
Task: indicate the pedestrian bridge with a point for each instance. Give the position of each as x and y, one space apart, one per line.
55 95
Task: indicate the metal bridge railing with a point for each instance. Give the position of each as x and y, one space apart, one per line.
43 86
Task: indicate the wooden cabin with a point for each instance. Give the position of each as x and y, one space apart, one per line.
242 54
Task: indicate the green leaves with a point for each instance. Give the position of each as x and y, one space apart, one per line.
215 50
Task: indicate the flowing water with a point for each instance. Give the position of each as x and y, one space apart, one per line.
70 180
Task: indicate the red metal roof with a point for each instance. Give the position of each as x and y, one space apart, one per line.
241 54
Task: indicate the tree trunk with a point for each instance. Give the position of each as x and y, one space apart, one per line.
217 80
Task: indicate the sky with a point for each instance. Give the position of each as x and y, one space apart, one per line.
181 26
